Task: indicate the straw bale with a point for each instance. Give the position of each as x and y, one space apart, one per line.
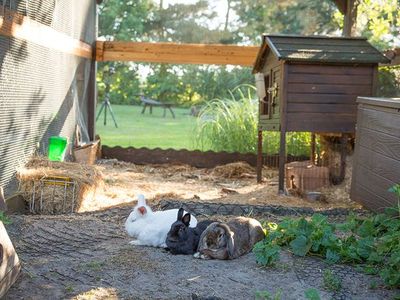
61 186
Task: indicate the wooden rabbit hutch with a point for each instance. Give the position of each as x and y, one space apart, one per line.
310 84
377 153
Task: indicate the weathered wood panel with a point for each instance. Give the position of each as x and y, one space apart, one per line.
321 122
382 143
379 164
271 61
321 126
377 153
322 108
380 185
386 122
323 99
335 89
330 79
330 70
369 198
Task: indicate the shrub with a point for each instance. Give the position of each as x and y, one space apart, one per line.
231 125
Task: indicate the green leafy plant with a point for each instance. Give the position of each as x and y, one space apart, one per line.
265 295
331 281
4 218
312 294
370 242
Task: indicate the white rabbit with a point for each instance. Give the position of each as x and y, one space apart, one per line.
150 228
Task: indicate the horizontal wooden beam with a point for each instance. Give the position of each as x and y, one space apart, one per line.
22 27
176 53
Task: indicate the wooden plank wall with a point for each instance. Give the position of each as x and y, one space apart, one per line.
322 98
377 156
271 66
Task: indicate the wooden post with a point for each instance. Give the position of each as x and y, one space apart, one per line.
259 157
283 125
282 161
92 100
350 18
343 153
92 88
312 157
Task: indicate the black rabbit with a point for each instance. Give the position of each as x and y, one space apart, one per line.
182 239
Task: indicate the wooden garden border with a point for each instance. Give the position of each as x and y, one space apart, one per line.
198 159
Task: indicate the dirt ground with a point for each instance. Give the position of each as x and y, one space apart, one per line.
227 184
87 255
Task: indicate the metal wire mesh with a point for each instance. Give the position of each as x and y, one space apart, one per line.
43 92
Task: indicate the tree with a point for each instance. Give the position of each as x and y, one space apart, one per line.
285 16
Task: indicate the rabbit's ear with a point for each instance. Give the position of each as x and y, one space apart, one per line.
141 200
230 244
180 214
186 219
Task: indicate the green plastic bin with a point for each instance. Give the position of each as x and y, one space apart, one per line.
57 148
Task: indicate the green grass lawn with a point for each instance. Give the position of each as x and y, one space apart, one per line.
137 130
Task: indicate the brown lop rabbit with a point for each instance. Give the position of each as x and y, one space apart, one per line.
229 240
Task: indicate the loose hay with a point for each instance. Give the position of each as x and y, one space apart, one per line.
52 187
235 170
341 192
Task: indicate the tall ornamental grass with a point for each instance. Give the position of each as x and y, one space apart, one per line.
231 125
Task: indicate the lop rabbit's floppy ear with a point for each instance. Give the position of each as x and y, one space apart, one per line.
230 243
180 214
186 219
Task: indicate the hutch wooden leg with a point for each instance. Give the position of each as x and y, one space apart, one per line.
259 157
282 161
312 158
343 153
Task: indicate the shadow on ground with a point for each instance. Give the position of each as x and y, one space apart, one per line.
87 256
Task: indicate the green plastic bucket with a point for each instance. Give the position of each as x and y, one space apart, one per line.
57 148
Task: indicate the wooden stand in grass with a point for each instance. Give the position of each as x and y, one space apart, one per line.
150 103
9 262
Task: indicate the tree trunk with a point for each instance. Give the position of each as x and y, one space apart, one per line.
350 18
227 15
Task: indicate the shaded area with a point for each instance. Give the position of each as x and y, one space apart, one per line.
84 255
43 92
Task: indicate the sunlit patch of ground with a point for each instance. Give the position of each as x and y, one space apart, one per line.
123 181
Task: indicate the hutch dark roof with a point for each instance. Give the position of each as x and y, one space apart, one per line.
319 49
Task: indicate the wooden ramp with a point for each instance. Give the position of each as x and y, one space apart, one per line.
9 262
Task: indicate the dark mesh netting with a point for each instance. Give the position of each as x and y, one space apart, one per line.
43 92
